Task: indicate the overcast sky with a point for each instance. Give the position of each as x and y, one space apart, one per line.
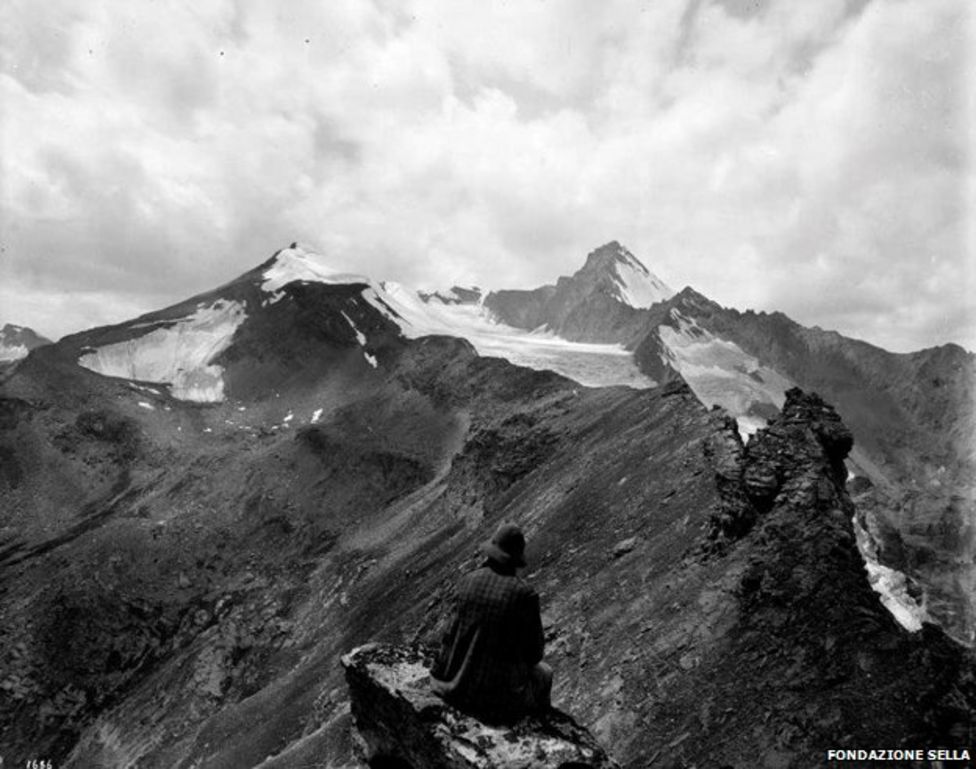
808 156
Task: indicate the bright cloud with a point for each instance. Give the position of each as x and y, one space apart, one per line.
811 158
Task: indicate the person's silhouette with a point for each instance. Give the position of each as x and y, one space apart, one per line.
490 663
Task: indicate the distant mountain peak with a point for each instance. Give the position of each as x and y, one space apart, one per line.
17 341
301 263
624 276
609 254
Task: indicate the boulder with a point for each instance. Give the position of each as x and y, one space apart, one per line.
400 723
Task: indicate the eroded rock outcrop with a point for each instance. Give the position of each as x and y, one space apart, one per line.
401 723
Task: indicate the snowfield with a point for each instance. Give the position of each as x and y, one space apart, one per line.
636 285
720 373
179 355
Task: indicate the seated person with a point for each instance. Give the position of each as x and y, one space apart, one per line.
490 663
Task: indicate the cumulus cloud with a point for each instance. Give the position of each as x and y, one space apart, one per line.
810 158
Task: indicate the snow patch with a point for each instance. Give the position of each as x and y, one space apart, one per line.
636 285
316 416
720 373
143 388
360 336
370 359
749 426
179 355
12 352
145 405
288 417
890 584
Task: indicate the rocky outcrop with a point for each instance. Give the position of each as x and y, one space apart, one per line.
401 723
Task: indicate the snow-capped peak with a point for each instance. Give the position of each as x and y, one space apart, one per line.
298 263
630 281
638 286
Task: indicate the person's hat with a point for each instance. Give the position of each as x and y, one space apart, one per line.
507 546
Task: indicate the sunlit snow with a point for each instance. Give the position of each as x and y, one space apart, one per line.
636 285
178 355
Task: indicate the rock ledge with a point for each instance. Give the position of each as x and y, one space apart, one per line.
401 723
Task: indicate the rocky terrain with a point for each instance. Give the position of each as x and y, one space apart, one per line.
399 722
184 561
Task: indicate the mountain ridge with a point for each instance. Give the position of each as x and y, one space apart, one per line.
182 576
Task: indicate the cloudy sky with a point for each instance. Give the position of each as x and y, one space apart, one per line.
807 156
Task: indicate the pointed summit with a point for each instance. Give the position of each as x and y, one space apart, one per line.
607 255
622 275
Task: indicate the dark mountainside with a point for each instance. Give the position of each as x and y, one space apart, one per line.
179 580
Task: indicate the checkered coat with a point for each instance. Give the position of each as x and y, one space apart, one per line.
494 641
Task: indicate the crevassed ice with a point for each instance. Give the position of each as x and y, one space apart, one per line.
721 373
889 583
179 355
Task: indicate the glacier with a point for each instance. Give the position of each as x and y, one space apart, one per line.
179 355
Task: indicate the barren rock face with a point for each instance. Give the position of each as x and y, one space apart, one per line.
399 722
